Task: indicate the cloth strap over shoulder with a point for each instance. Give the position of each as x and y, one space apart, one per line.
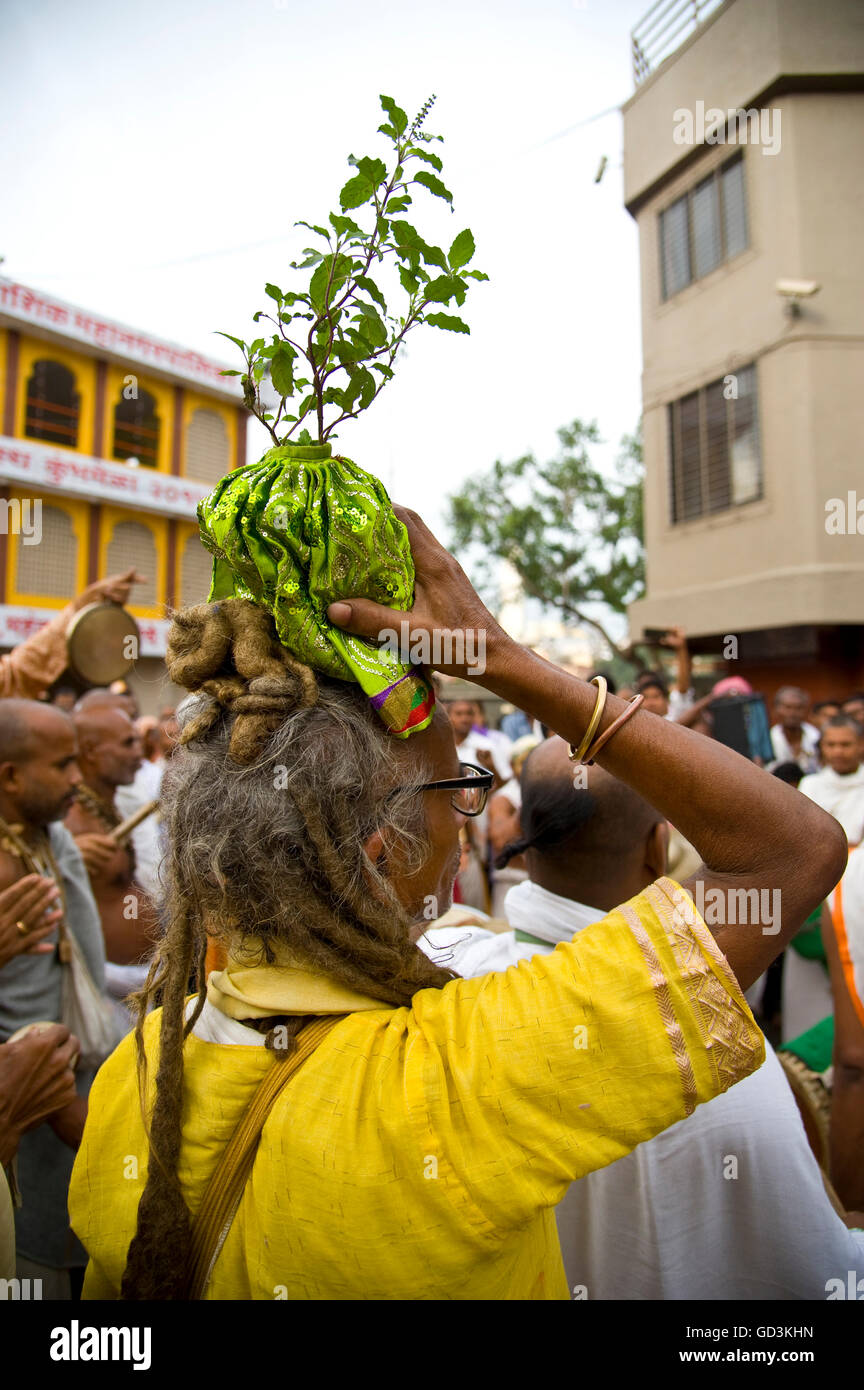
224 1191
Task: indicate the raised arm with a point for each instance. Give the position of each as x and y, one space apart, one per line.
757 836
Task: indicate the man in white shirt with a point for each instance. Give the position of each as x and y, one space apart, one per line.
839 787
765 1228
465 715
792 738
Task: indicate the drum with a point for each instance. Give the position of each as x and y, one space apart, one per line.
103 642
806 1060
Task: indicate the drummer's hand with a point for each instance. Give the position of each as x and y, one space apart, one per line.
444 601
115 589
33 903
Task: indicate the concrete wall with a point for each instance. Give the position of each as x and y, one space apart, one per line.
771 562
737 53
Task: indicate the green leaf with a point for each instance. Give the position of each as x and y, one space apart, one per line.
349 350
229 371
375 170
274 293
364 283
409 238
441 290
410 282
399 204
282 370
448 321
396 114
477 274
434 185
239 341
361 384
344 226
461 250
356 192
373 328
328 278
322 231
312 258
433 255
427 156
405 234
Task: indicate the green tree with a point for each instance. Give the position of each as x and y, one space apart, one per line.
573 534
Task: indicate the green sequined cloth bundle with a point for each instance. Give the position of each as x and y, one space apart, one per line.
297 531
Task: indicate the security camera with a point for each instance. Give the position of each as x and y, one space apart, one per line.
797 289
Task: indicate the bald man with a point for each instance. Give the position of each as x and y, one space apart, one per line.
132 796
728 1203
38 778
109 755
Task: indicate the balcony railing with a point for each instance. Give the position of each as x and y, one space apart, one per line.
662 30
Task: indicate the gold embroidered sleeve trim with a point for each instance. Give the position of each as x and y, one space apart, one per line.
729 1033
663 996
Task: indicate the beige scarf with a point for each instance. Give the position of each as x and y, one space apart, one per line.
242 990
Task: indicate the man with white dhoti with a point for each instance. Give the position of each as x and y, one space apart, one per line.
728 1203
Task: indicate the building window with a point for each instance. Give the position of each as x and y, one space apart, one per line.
196 570
136 429
704 228
49 569
714 457
206 446
133 543
52 404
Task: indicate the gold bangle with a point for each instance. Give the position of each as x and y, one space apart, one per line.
577 754
631 709
23 928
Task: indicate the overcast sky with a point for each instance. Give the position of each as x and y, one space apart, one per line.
155 157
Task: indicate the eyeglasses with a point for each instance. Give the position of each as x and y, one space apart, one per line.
471 789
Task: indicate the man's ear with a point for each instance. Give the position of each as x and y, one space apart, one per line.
10 782
374 849
656 848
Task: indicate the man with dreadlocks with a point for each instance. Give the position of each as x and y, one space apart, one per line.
334 1115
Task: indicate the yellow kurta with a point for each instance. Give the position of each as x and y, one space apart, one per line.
420 1152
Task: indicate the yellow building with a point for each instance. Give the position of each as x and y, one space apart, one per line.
108 440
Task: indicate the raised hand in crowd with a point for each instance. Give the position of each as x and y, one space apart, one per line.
116 588
29 913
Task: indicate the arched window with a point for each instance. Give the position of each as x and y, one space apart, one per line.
50 568
136 428
52 404
133 543
206 446
196 569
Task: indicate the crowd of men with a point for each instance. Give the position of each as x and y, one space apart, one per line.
545 860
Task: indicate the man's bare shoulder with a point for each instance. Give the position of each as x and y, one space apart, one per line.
11 869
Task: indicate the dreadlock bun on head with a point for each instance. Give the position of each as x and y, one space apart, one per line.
230 652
